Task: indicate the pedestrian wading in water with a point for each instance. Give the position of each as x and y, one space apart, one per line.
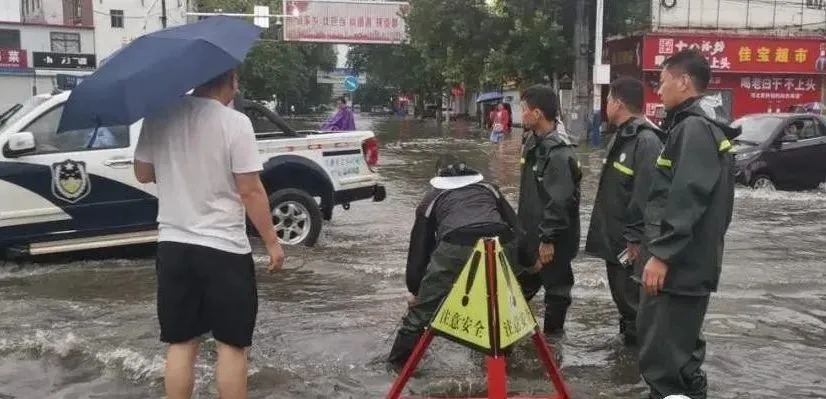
617 218
549 196
687 214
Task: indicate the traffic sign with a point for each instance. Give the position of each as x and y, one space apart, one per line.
351 83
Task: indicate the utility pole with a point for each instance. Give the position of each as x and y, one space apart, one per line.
579 117
163 14
601 73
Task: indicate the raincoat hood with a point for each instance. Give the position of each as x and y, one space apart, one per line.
707 107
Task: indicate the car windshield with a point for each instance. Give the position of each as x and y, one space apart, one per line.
27 107
756 129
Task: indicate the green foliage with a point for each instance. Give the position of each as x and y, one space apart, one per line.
371 94
283 69
533 46
623 17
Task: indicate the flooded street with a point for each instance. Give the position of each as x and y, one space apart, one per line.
87 328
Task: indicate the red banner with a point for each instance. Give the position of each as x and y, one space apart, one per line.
340 21
741 54
751 93
13 58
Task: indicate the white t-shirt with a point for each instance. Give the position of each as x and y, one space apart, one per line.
195 147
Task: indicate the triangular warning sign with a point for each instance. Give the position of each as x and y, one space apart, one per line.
485 310
465 314
516 320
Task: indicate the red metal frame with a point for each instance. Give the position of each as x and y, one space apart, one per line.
496 362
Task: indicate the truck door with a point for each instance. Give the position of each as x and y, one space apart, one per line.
87 177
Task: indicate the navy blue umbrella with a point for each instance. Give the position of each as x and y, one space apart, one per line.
155 70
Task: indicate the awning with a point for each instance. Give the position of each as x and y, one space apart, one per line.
489 96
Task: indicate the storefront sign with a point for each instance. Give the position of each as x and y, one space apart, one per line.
750 94
63 61
377 22
742 54
13 58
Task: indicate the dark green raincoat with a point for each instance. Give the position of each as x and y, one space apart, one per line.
549 196
688 212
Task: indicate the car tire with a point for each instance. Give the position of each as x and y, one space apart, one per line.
296 217
763 182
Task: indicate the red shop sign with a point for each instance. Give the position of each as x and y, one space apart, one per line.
741 54
13 58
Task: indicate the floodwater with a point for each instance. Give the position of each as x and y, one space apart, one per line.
85 326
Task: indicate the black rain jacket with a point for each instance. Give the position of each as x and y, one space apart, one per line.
617 216
691 199
549 196
460 216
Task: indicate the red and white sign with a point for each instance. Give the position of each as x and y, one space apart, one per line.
742 54
13 58
356 22
756 93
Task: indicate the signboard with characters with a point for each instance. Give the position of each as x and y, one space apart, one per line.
357 22
740 54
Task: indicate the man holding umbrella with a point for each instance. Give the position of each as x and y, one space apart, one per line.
204 159
203 156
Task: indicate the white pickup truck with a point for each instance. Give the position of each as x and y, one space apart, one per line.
76 190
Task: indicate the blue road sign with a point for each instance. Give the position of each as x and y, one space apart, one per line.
351 83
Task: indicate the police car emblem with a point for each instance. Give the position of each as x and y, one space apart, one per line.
70 181
622 157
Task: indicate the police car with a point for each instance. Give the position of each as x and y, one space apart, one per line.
76 190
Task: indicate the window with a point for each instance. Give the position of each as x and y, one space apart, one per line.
67 43
814 4
9 38
117 18
47 141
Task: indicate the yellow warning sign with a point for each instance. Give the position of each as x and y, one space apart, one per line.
464 314
515 318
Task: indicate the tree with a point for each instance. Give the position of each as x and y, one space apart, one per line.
283 69
534 44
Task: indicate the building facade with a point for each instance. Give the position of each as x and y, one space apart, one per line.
768 16
750 73
118 22
43 39
765 55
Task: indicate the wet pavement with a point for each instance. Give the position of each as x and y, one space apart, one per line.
85 327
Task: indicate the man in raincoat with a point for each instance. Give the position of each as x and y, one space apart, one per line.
459 210
617 218
687 215
549 196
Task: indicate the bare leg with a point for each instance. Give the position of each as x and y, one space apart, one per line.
231 372
180 369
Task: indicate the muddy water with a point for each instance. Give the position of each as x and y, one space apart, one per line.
85 327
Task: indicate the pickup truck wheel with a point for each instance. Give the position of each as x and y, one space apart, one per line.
296 217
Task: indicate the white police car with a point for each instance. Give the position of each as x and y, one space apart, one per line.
76 190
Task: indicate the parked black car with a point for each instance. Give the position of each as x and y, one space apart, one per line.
782 151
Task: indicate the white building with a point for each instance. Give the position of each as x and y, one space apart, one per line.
38 41
767 16
118 22
42 39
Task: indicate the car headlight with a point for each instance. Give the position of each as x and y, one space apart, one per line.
745 156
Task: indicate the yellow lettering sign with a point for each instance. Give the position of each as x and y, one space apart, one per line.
801 55
781 55
464 313
745 54
763 54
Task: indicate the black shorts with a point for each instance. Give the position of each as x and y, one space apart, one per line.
202 289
